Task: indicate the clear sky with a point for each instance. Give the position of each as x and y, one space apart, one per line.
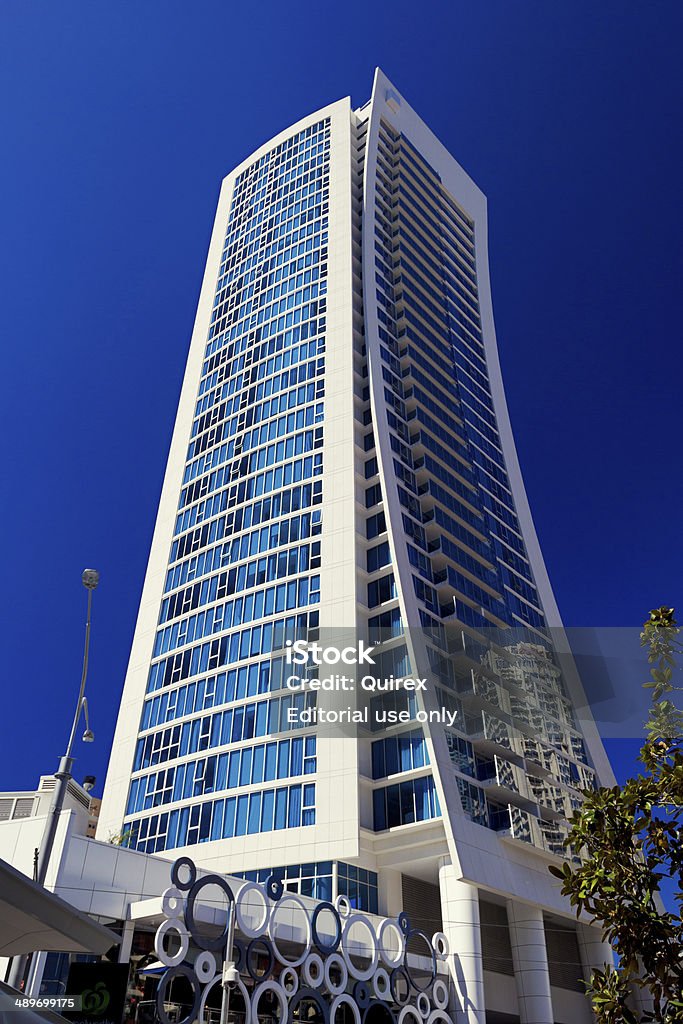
117 123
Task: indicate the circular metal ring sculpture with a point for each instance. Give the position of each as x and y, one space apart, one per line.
172 903
440 945
178 866
274 887
393 993
403 921
280 994
356 972
309 995
440 994
410 1015
165 981
381 984
344 1000
361 993
343 905
246 927
239 952
205 967
371 1013
204 941
336 962
252 948
313 970
394 978
326 947
387 925
171 924
289 980
424 1007
439 1017
289 898
415 933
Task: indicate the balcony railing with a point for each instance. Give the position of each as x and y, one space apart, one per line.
527 828
502 773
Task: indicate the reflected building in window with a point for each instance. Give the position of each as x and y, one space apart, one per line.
342 458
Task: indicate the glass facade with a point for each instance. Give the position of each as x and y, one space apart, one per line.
325 880
469 576
447 452
242 573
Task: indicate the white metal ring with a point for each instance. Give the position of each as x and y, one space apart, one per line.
335 960
162 931
289 897
313 970
356 972
270 986
241 988
409 1015
345 1000
382 985
205 967
385 926
424 1007
250 930
343 906
440 945
288 976
440 994
439 1017
172 903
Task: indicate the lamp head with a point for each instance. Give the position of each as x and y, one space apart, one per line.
90 578
88 783
88 735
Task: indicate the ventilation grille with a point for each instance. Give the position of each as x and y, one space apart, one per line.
564 960
422 904
495 939
23 808
48 784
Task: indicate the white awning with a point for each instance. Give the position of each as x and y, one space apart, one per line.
32 918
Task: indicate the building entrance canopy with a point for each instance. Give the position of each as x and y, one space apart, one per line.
32 918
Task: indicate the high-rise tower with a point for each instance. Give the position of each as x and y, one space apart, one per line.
342 459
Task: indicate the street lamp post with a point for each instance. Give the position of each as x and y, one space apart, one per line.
63 775
230 974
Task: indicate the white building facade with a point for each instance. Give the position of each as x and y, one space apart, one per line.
342 465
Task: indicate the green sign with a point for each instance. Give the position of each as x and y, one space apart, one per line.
102 988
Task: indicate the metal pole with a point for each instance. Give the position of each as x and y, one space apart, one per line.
17 972
227 967
63 773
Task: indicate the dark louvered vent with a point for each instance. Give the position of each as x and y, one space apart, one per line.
564 961
422 904
495 938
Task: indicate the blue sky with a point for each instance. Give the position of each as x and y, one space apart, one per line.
118 122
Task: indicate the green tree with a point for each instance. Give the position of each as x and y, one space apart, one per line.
120 838
630 837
